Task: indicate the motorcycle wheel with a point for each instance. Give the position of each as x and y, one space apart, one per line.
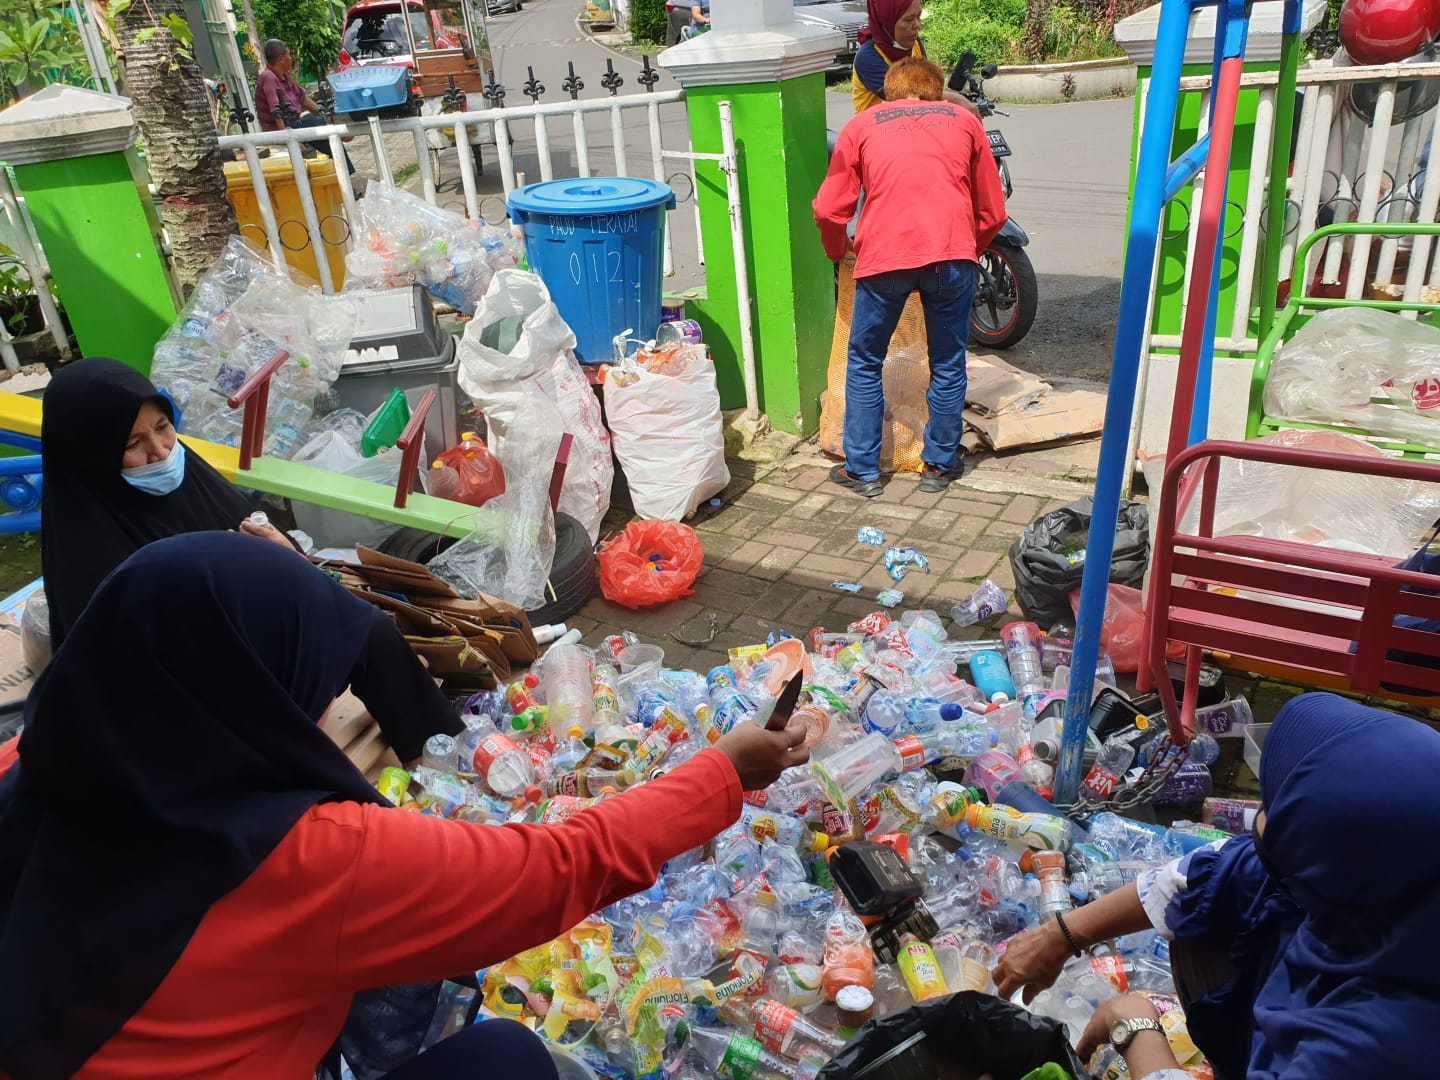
1006 298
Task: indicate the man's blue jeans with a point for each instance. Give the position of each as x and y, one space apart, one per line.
947 293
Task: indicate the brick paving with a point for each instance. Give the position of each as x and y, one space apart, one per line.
783 533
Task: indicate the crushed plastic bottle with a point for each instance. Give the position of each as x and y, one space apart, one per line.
984 603
744 958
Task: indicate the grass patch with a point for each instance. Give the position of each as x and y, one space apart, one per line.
406 173
19 561
993 30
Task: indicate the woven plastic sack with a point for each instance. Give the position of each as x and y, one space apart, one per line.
632 576
518 354
669 435
905 377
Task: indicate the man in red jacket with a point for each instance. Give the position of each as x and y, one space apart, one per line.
933 203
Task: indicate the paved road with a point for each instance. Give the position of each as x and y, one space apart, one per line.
1069 170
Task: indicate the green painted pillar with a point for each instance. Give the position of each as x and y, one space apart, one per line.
768 67
75 165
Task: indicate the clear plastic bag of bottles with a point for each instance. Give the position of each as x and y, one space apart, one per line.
241 313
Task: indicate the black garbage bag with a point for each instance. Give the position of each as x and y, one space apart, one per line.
1049 558
968 1035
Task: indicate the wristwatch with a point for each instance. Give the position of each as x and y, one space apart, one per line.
1123 1031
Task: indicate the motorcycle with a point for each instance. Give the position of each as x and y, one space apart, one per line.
1006 293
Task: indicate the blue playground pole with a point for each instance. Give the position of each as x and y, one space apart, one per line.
1150 184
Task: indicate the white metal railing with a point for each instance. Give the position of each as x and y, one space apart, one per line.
1345 168
482 127
16 230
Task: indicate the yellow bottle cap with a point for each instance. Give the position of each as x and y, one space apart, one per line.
819 841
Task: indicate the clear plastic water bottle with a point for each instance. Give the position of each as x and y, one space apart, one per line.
440 753
984 603
1224 718
1023 655
728 1053
884 712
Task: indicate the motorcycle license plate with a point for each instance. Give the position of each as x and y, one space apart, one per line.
998 146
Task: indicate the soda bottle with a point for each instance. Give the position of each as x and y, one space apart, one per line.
1023 656
604 700
1041 831
948 804
735 1056
520 695
849 960
1109 769
502 766
782 1030
984 603
920 970
782 828
668 729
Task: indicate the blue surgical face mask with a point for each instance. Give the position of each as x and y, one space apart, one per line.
159 477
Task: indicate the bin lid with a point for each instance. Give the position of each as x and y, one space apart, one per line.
591 195
277 169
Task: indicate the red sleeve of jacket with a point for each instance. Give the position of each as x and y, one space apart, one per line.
431 897
9 755
834 203
986 191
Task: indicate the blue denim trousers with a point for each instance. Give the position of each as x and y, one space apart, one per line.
947 293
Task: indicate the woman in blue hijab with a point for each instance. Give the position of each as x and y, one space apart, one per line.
1329 914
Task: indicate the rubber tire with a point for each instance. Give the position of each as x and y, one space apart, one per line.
1027 302
573 575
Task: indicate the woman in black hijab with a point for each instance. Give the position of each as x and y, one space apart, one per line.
118 477
92 517
194 881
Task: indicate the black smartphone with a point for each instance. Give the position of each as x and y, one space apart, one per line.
785 704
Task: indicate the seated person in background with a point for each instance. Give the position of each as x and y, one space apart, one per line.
117 477
281 102
1304 951
242 883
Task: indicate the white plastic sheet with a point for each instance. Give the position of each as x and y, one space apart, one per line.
1357 367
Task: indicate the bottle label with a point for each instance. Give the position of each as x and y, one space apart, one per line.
1100 782
837 820
741 1058
974 975
489 749
1111 967
921 971
568 784
912 753
772 1024
762 826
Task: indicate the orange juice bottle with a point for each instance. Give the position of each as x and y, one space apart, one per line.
849 960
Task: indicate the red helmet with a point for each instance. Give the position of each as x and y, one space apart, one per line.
1387 31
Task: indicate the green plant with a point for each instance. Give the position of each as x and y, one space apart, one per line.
37 44
308 27
647 21
15 288
989 30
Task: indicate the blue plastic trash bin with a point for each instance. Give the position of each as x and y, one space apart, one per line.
597 243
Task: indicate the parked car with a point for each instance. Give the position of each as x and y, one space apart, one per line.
847 16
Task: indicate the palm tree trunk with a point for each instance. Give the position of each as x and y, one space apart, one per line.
173 112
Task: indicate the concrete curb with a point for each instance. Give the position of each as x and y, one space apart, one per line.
589 36
1085 80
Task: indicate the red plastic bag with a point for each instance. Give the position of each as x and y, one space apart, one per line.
468 473
1123 631
651 562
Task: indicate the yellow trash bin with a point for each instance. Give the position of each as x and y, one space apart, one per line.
289 216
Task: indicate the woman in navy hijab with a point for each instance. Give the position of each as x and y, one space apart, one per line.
1328 916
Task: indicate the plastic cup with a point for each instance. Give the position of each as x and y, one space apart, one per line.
636 657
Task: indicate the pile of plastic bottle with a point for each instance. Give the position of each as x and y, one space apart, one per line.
403 240
745 959
242 312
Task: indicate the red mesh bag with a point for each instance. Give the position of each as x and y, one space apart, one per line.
651 562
